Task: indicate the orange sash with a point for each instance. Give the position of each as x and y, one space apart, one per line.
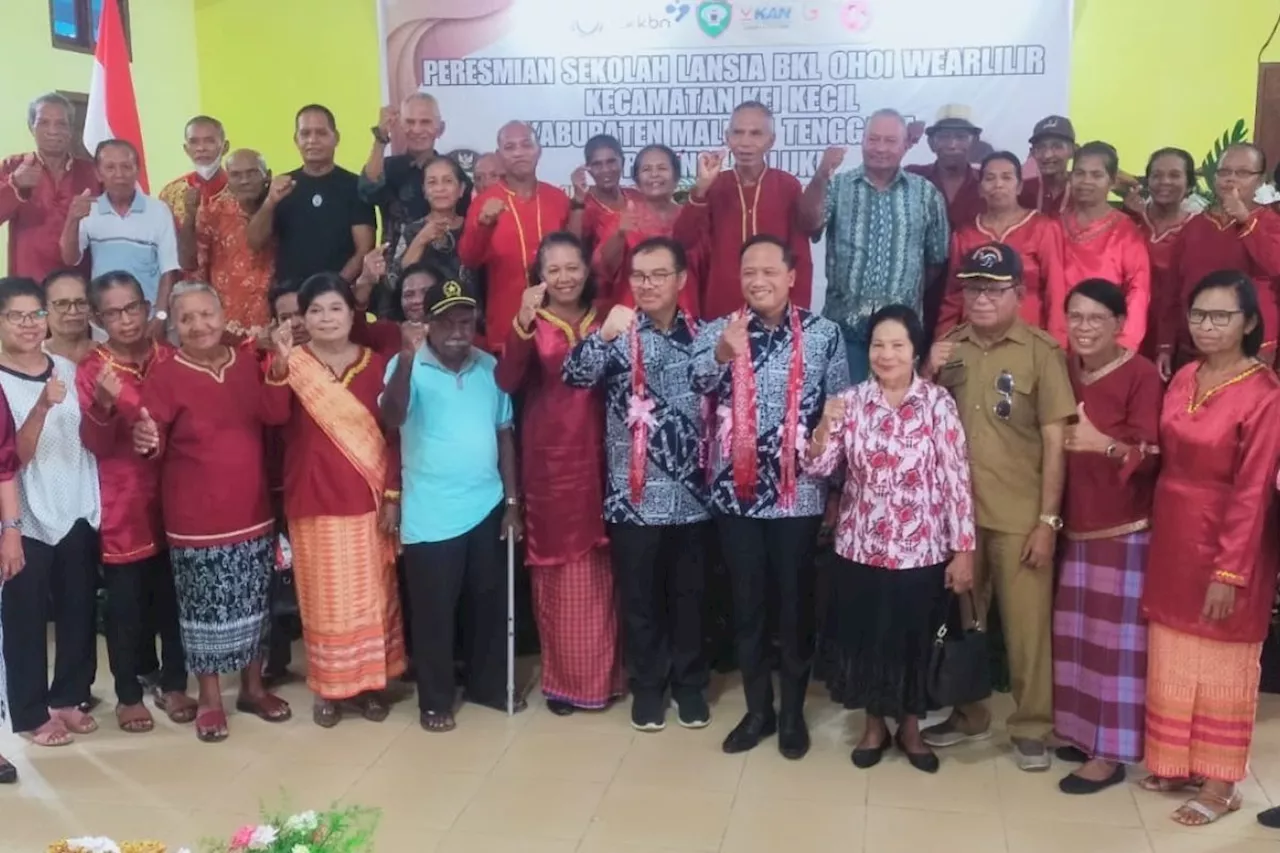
348 424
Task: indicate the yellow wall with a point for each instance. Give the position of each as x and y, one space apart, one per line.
165 77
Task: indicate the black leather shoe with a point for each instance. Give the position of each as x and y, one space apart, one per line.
793 737
1074 784
1071 755
8 773
1270 818
560 709
869 756
926 761
748 733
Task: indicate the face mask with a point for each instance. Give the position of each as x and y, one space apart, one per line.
207 172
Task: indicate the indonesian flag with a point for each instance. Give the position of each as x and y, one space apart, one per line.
113 110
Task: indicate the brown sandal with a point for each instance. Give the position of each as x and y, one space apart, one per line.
134 719
52 734
75 721
1170 784
211 725
269 708
178 707
1206 808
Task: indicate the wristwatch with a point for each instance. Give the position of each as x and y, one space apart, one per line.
379 135
1054 521
11 524
162 315
513 502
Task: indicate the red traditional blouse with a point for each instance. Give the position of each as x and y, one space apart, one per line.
730 215
213 483
599 221
561 441
1212 242
1038 241
618 281
1214 515
1107 497
1162 246
318 478
130 484
1111 248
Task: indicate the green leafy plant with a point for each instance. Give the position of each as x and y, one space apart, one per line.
1238 132
346 830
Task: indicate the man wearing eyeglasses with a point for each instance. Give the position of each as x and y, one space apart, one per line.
1236 233
1010 384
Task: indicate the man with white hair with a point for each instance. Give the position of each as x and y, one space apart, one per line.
887 233
205 142
214 243
36 188
394 184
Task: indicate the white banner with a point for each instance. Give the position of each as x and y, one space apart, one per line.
653 71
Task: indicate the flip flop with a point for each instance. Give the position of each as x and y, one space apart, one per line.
211 725
269 708
141 723
173 706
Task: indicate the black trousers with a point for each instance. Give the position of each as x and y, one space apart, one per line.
437 574
659 572
771 560
64 576
141 603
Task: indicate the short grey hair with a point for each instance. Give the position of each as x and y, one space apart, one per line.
55 98
187 288
262 161
422 98
889 112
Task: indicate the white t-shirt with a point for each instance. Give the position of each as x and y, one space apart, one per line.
60 485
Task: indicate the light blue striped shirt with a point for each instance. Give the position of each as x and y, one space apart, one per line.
142 242
879 243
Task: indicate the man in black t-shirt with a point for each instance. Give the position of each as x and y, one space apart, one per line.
315 213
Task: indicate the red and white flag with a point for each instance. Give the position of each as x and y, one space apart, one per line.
113 110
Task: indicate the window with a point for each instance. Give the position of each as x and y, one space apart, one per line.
73 24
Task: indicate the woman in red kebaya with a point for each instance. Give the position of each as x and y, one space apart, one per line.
598 209
203 413
1171 176
141 597
1215 553
1101 242
653 214
1037 238
562 457
1099 634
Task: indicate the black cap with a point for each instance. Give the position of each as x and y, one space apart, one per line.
1059 126
447 294
992 261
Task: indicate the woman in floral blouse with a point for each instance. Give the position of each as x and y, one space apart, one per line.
905 533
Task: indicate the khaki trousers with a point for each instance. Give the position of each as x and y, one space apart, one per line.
1026 612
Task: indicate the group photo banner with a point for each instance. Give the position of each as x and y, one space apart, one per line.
658 72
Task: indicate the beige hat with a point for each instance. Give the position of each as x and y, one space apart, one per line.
953 117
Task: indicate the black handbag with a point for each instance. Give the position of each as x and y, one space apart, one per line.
959 663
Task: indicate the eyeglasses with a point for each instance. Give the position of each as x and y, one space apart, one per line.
25 318
70 306
994 291
1092 321
1004 387
1238 173
1220 319
133 309
657 277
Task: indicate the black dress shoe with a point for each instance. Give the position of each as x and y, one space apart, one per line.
748 733
8 773
926 761
1071 755
560 709
866 757
1074 784
793 737
1270 818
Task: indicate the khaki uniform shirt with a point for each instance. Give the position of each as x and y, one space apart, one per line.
1005 454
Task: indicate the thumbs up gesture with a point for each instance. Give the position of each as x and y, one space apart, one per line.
1084 437
54 392
27 175
733 340
146 435
80 206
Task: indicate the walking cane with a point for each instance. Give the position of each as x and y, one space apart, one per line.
511 621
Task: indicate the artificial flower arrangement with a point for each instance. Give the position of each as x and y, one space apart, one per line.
348 830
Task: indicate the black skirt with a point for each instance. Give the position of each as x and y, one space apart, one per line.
878 636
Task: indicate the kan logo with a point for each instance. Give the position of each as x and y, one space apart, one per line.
756 17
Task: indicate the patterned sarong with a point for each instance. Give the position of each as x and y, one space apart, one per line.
222 603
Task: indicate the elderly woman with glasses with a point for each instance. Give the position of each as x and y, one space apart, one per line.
70 335
1099 633
1215 553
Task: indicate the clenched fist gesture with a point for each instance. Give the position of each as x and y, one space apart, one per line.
832 159
80 206
387 119
734 340
412 337
53 393
579 181
940 355
281 186
146 435
107 389
833 412
489 212
619 320
530 302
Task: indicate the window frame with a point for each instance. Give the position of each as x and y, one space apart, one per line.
84 41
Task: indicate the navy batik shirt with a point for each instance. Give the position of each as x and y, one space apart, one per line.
675 481
826 372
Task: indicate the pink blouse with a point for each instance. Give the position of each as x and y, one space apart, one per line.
907 501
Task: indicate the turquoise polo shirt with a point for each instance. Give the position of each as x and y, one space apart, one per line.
449 446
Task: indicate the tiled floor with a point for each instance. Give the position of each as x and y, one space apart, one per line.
541 784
